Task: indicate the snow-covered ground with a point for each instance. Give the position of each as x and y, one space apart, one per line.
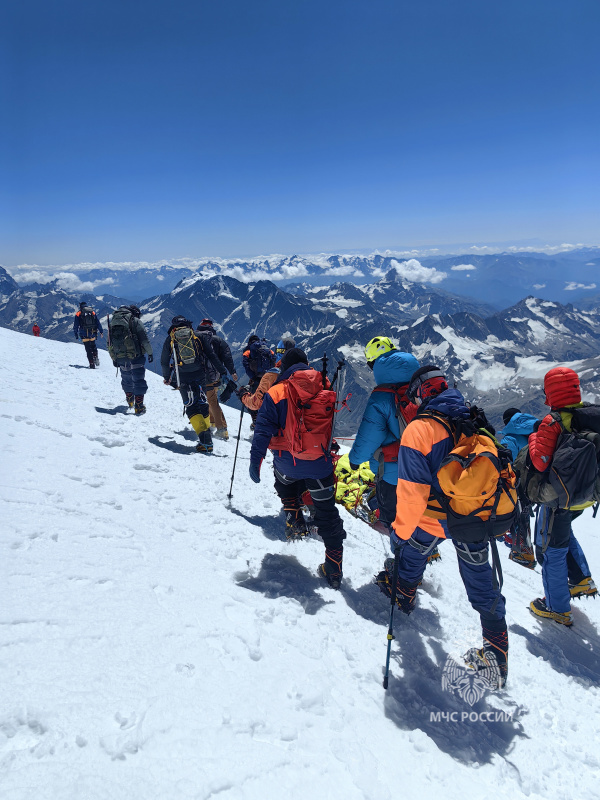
158 641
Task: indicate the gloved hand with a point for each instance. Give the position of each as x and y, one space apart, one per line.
150 358
115 364
255 472
242 391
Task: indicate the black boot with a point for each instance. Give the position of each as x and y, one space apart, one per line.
331 569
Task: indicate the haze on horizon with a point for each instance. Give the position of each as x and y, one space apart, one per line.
148 133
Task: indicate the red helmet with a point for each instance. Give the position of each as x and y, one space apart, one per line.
561 386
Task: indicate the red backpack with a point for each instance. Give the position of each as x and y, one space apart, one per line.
405 412
309 421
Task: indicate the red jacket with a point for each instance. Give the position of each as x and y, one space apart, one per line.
36 330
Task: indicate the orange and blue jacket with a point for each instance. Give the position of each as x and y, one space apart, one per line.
270 422
425 444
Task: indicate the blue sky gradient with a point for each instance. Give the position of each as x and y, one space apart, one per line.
153 130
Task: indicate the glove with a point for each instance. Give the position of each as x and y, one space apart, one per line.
150 358
255 472
354 467
242 391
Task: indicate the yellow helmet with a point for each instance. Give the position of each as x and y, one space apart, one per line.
377 347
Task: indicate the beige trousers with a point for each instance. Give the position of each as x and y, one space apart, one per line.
216 415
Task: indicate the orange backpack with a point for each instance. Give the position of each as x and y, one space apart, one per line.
309 421
479 487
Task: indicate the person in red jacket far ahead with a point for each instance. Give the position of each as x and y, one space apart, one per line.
565 572
36 329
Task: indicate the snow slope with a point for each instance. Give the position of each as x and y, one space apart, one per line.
159 642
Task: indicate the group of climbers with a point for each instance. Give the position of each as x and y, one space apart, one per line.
190 363
417 435
409 434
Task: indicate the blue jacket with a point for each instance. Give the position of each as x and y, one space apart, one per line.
379 425
517 432
270 421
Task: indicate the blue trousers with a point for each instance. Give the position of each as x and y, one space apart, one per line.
133 375
560 554
477 577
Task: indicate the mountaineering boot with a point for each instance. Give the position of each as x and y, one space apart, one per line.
406 595
92 365
205 444
540 609
585 588
138 405
130 399
295 526
524 557
331 569
221 433
490 661
96 360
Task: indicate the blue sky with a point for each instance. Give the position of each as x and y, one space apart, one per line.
149 130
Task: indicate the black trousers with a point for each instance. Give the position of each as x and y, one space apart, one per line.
322 491
91 350
193 396
386 500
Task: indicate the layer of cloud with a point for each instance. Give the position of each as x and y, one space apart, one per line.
539 285
571 286
463 267
66 280
412 270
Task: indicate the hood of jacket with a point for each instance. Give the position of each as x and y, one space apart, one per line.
394 367
520 425
290 371
451 403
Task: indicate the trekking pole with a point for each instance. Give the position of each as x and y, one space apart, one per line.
390 633
338 393
230 495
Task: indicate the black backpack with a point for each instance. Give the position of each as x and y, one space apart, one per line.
88 320
573 477
261 357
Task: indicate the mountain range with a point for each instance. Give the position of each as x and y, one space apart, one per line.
497 358
499 280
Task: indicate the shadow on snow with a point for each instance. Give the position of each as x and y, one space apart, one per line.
113 411
284 576
171 446
571 651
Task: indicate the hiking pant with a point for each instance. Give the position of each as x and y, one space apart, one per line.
196 406
216 415
477 578
133 374
327 517
90 350
560 554
386 500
